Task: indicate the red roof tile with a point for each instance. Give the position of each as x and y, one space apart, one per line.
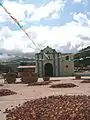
26 66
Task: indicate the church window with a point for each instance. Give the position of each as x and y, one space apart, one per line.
66 66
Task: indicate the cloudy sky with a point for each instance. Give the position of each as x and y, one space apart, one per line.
61 24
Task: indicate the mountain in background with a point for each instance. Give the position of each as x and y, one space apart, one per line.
83 57
18 54
10 60
12 54
68 48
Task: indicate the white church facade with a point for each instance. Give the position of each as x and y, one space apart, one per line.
51 63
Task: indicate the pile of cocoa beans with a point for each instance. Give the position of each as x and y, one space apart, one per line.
52 108
5 92
55 80
85 81
39 83
1 85
63 85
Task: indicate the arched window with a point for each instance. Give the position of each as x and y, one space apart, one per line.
66 66
67 57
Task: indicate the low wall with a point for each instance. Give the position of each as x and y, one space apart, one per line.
86 73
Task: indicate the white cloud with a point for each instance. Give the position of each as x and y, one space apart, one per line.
6 33
2 19
1 42
55 15
16 9
81 19
46 10
66 35
33 13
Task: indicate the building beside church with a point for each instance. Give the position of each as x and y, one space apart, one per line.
51 63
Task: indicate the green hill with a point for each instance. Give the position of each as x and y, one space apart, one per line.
82 58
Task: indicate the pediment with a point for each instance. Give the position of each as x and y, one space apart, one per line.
48 50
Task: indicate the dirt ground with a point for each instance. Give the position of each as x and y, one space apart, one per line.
25 92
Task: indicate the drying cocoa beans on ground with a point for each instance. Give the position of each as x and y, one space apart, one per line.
5 92
52 108
55 80
63 85
85 81
39 83
1 85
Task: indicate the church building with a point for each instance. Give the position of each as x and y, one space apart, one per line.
51 63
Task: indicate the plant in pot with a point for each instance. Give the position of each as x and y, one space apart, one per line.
78 76
46 78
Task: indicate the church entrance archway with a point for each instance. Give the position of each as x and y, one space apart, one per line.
48 69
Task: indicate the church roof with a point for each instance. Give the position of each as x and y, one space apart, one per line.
26 66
